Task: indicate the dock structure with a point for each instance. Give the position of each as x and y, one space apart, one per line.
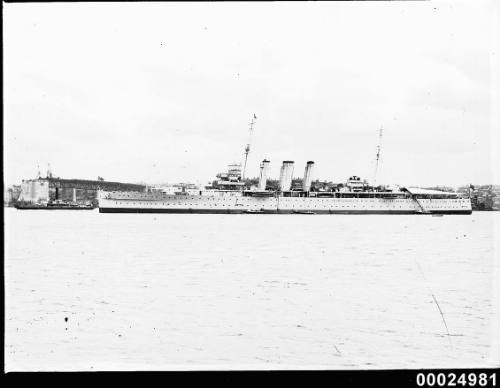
49 189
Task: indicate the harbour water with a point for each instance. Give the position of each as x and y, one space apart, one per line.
90 291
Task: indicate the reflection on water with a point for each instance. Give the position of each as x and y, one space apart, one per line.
136 291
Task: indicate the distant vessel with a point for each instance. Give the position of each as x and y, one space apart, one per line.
229 196
54 205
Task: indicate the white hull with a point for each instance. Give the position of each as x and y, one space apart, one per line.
122 202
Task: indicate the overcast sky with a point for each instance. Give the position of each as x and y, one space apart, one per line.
164 92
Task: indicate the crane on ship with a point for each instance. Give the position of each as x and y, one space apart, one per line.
381 130
247 147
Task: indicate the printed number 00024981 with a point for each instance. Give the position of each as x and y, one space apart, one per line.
454 379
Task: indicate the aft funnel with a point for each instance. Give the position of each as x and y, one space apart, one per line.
306 183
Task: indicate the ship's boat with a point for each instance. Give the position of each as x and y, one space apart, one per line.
260 193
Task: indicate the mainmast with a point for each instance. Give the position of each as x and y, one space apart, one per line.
247 147
378 155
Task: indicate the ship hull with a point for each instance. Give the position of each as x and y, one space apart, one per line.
236 203
280 211
27 207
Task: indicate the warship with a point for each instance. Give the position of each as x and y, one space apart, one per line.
231 195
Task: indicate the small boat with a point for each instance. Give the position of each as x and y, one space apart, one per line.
250 211
54 206
69 205
303 212
23 206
